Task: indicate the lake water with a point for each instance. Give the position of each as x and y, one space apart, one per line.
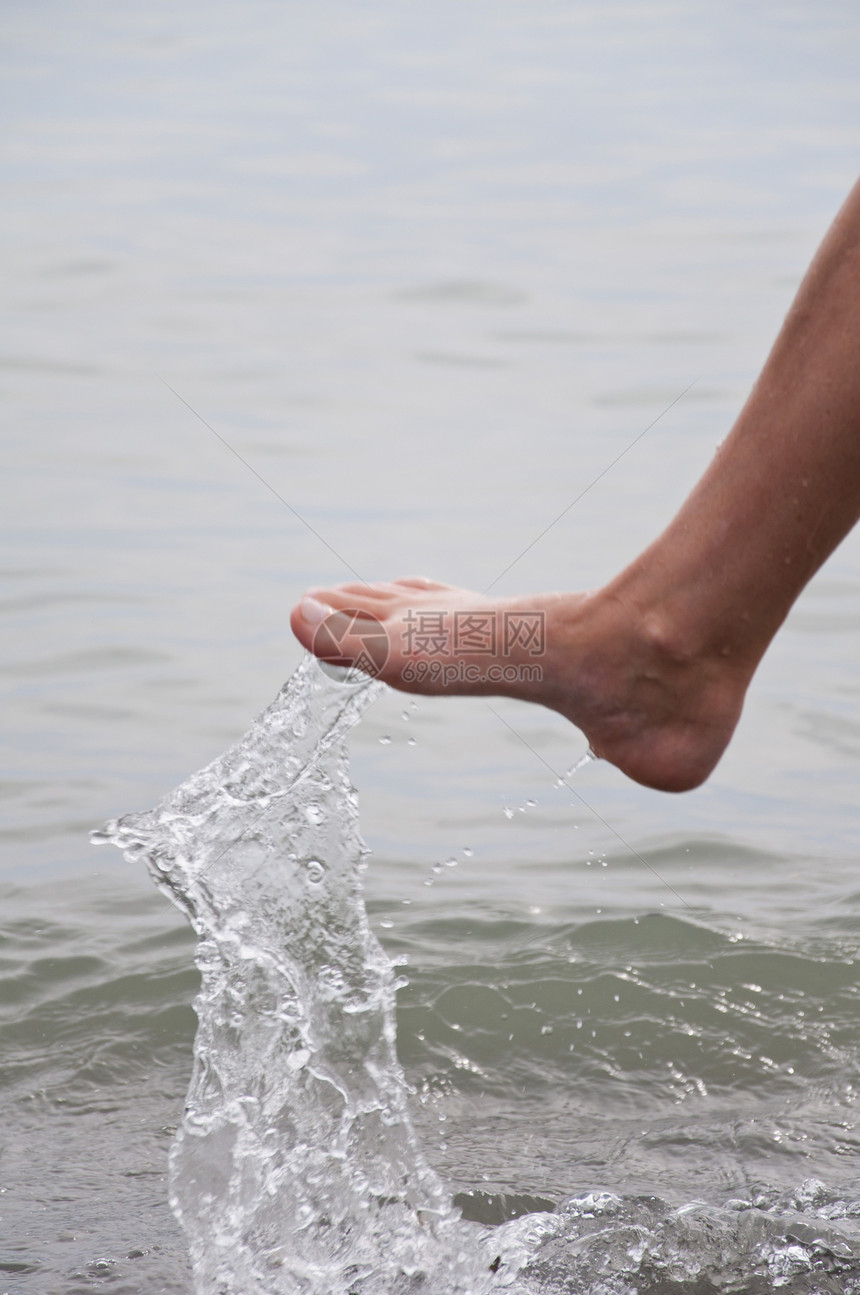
427 272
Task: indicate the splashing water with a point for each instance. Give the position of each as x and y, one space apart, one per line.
588 758
296 1170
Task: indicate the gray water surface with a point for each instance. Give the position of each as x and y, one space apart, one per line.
429 271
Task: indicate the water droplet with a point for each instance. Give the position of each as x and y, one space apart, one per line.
508 812
467 852
386 925
411 741
531 803
404 715
385 740
437 868
581 763
315 871
451 863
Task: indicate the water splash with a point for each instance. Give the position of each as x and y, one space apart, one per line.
604 1245
295 1168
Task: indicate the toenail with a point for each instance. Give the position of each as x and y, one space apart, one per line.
313 612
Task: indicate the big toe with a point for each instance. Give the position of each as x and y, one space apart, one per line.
343 638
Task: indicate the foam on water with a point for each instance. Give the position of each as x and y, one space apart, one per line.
296 1170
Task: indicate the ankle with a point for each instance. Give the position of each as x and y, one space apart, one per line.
683 629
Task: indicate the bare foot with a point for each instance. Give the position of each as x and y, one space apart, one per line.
662 715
